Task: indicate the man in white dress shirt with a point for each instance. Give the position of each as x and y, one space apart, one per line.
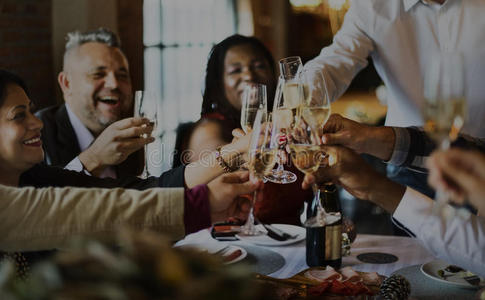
401 37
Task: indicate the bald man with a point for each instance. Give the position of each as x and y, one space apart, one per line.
92 130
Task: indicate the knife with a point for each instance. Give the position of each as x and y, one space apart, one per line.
277 234
473 280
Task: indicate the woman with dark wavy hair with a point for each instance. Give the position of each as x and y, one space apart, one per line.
233 63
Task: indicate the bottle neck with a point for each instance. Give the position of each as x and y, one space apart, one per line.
330 198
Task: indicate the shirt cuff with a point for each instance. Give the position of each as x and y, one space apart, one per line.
77 166
413 210
197 209
401 146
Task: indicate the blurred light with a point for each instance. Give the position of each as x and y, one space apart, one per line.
305 3
336 4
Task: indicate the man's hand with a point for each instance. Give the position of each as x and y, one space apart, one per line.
349 170
225 192
461 174
376 141
116 143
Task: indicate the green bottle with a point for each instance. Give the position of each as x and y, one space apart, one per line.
324 243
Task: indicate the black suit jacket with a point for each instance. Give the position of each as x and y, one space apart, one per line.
42 175
61 146
58 137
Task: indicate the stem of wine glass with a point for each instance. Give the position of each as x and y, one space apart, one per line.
279 167
249 228
445 144
441 196
144 174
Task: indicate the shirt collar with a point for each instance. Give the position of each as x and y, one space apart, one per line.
408 4
83 135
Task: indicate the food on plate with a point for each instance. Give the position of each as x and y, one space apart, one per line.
344 288
323 275
454 271
350 275
346 274
345 281
231 256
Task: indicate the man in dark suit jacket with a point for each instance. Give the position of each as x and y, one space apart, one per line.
92 130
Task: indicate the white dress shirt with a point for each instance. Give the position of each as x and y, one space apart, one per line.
401 36
85 138
456 240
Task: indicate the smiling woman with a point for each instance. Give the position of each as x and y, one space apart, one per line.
20 145
233 63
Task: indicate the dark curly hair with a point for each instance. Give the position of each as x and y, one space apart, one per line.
214 99
7 78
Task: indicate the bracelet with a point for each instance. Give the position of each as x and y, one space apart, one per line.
222 163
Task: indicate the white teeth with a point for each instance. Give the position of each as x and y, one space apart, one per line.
32 141
109 98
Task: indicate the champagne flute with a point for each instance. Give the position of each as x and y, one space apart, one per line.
304 141
287 100
146 106
444 109
262 157
254 98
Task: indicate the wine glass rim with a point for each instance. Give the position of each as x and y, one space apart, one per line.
254 84
290 58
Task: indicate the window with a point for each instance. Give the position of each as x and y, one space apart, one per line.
178 35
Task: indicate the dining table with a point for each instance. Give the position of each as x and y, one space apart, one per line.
288 260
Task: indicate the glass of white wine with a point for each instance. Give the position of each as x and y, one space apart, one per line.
146 106
444 109
312 115
287 100
254 98
262 157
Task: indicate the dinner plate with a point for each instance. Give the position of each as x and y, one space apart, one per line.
431 269
264 240
219 249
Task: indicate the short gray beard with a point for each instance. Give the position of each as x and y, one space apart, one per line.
98 119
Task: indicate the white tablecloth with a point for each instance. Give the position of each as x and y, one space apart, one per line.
408 251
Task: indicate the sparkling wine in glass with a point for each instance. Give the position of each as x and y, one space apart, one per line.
146 106
287 101
304 141
262 157
444 109
254 99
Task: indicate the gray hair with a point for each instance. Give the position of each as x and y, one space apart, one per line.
100 35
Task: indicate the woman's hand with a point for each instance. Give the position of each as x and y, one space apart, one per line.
241 142
225 192
461 174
